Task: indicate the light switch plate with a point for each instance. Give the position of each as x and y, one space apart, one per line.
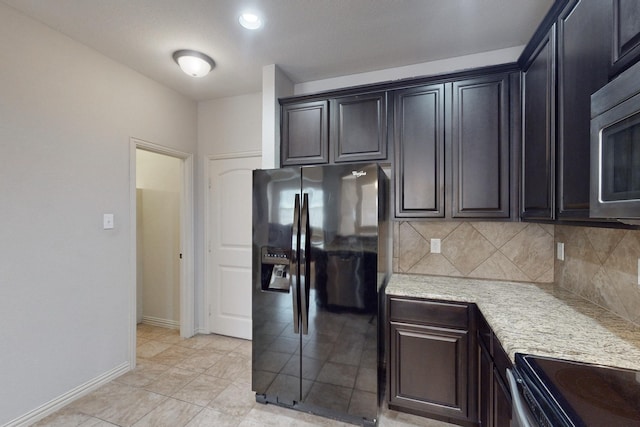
107 221
560 251
435 246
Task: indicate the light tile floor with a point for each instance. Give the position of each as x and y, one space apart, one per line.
200 381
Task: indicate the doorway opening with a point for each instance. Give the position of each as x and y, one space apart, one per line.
158 188
162 271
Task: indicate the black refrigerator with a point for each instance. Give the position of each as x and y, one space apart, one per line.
321 260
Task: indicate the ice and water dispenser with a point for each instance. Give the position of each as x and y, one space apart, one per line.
274 268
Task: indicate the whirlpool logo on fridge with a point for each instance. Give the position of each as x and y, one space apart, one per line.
358 174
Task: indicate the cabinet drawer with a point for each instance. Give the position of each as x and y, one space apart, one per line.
429 312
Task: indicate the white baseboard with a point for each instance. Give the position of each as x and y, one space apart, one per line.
63 400
163 323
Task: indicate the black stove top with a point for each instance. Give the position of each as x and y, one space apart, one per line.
580 394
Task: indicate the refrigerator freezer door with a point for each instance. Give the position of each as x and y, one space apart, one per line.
276 345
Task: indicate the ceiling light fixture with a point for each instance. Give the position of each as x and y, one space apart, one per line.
250 21
194 63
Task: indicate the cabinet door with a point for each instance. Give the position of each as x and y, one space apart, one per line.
429 370
305 138
485 401
538 169
579 51
359 127
419 151
501 408
480 147
626 34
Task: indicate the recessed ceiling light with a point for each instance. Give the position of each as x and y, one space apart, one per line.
250 21
193 63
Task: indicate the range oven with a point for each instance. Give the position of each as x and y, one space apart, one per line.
563 393
615 148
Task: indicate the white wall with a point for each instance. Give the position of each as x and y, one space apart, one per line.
230 125
159 183
66 116
226 127
275 84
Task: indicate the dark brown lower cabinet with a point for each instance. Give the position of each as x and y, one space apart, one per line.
494 397
431 371
501 404
485 394
446 363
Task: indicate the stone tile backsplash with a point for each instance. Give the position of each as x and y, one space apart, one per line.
601 265
485 250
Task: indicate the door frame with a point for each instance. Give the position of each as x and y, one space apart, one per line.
208 230
187 270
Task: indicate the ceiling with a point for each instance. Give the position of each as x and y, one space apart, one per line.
308 39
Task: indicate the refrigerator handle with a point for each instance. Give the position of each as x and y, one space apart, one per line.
305 264
293 263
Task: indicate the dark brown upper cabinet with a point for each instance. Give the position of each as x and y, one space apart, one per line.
583 68
562 66
349 128
455 139
626 34
305 133
480 146
539 134
359 127
453 150
419 151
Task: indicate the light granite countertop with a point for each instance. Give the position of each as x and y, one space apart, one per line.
535 318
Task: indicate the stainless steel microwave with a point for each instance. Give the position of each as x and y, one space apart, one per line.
615 148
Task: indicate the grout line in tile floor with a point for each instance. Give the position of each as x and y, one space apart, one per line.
200 381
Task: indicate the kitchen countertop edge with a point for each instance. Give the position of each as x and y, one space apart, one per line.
535 318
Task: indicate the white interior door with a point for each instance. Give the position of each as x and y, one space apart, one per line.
230 214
